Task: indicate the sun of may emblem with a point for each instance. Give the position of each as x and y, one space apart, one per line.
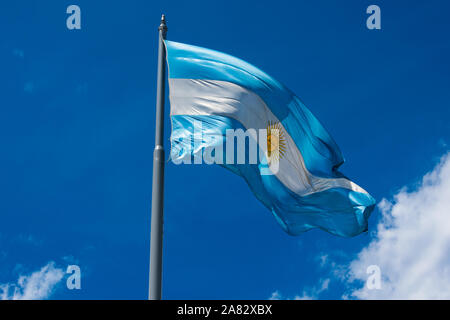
276 141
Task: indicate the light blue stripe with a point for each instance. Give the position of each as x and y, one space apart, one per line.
339 211
320 152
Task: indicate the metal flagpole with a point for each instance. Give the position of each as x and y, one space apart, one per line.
156 233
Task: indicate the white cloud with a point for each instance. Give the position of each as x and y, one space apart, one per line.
323 258
308 294
275 296
411 246
412 243
38 285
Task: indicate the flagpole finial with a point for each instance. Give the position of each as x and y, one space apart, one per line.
163 26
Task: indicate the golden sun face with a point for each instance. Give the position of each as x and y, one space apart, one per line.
276 142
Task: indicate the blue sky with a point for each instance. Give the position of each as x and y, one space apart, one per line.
77 133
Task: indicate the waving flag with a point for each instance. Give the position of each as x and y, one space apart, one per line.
295 176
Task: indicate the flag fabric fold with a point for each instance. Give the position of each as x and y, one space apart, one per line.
295 174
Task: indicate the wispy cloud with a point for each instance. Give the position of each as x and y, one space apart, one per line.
275 296
314 292
28 239
311 293
35 286
29 87
18 53
412 243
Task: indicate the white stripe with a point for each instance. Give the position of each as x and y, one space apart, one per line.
222 98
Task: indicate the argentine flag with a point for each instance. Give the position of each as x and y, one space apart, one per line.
295 175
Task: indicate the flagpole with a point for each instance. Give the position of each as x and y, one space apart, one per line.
156 233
